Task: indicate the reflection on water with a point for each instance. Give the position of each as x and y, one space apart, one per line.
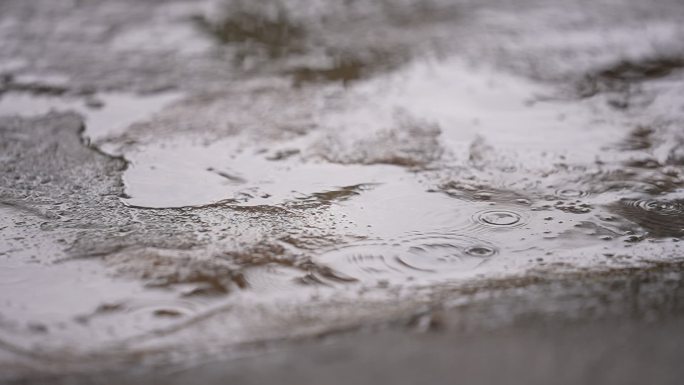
353 161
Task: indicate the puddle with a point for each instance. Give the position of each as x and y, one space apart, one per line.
333 177
182 173
384 192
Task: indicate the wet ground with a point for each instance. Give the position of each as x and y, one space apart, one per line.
190 182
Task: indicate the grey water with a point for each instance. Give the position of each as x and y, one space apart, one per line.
186 179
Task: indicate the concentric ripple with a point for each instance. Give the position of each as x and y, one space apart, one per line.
570 193
674 208
635 181
409 255
660 218
499 218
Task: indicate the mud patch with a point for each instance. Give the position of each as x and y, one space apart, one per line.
272 33
624 75
347 68
412 143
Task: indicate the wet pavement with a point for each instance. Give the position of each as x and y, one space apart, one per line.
186 182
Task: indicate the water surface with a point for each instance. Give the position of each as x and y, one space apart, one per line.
289 169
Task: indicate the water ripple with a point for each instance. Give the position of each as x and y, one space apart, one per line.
570 193
411 254
499 218
660 218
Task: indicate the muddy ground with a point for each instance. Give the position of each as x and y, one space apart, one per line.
341 191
